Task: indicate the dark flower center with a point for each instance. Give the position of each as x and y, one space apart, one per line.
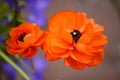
21 37
76 35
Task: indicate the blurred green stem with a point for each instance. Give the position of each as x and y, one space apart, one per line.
31 60
6 58
24 65
16 12
116 4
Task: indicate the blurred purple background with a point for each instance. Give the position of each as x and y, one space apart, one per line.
34 11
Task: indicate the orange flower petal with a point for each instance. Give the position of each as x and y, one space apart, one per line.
56 46
88 49
26 27
97 59
98 28
62 21
30 52
74 64
30 38
81 20
98 40
95 49
81 57
40 41
82 48
89 29
87 34
50 57
14 51
22 44
10 43
85 39
66 63
47 55
66 37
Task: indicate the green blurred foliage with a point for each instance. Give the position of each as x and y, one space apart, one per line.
4 9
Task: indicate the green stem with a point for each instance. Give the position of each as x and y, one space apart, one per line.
23 63
31 60
5 57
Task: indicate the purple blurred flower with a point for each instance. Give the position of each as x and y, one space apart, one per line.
39 5
40 65
1 39
9 70
4 21
34 11
10 3
37 18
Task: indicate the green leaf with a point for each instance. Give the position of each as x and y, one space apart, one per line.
4 9
6 58
4 29
11 15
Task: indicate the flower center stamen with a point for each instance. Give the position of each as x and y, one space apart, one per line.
21 37
76 35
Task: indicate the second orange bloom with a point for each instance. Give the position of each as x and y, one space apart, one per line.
24 40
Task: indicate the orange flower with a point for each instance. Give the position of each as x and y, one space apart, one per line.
24 40
76 38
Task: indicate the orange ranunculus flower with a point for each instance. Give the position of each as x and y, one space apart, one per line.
24 40
76 38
